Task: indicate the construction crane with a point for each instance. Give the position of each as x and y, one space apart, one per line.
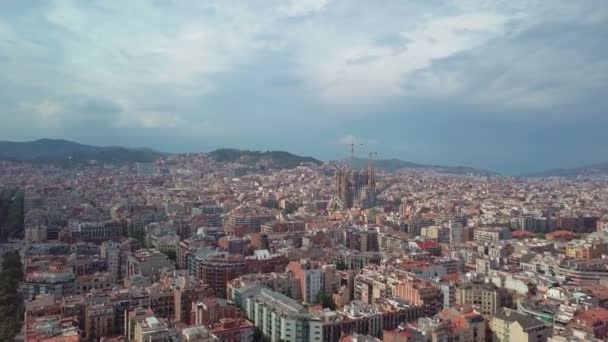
352 153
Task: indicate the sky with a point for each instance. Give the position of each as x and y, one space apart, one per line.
509 85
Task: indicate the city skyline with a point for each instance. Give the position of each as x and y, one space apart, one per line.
511 86
303 170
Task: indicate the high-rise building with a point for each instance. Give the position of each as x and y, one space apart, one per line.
362 239
456 232
111 252
311 278
356 188
218 269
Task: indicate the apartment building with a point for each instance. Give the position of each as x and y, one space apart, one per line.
420 293
148 263
282 319
492 235
511 326
486 298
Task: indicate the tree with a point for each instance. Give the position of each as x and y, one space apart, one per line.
258 335
171 255
290 208
11 214
341 265
327 302
59 250
140 237
11 303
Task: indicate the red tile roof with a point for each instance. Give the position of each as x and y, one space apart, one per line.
593 315
522 234
426 244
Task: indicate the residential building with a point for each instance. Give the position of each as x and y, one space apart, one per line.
420 293
511 326
148 263
99 321
233 330
311 278
112 253
492 235
486 298
218 269
282 319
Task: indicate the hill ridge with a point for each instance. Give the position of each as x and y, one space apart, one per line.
65 152
595 169
275 158
395 164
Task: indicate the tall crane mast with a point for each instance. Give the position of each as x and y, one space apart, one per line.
352 153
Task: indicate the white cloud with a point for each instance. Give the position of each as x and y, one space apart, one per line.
140 54
296 8
351 139
341 83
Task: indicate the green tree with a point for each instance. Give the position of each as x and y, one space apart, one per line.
290 208
140 237
341 265
171 255
327 302
11 303
59 250
11 214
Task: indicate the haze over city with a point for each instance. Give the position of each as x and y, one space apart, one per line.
514 86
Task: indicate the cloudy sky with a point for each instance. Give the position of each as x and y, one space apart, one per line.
503 84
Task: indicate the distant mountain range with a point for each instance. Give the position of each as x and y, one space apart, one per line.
274 159
65 152
392 165
600 169
286 160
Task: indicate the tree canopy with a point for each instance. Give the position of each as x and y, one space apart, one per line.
327 302
11 214
341 265
11 303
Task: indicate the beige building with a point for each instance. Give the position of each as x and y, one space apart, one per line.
512 326
486 298
437 233
151 329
